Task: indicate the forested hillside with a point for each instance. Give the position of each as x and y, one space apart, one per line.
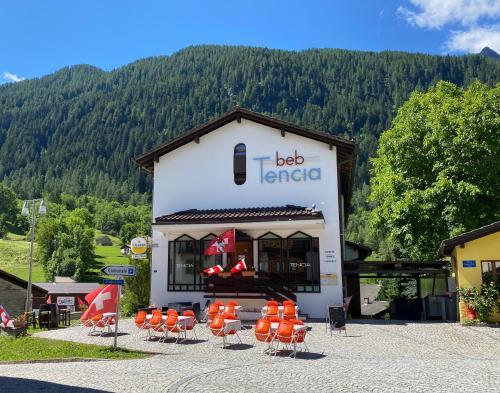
78 130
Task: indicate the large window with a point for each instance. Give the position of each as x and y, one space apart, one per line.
491 272
294 260
186 261
271 253
240 163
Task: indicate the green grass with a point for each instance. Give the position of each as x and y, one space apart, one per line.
35 348
14 258
14 254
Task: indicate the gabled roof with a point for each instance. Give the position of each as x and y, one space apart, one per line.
61 288
363 251
448 245
20 282
218 216
346 149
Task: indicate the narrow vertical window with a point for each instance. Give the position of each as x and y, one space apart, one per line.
240 163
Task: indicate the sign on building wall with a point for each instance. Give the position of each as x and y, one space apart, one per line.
65 300
329 255
295 167
469 263
329 279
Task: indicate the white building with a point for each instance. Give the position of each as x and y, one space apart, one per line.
281 186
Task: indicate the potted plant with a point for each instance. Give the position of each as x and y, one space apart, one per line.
467 298
250 272
225 273
486 301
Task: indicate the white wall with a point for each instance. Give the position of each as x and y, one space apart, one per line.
200 176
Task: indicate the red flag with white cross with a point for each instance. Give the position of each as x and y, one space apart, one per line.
104 301
239 267
225 242
213 270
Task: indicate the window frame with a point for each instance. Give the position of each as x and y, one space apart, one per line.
240 159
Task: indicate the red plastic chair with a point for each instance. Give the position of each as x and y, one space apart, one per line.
218 329
289 311
272 311
264 334
212 312
189 324
171 326
141 321
155 324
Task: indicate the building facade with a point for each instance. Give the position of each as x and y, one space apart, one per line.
282 187
475 256
13 293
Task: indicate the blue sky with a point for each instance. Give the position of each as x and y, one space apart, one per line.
40 37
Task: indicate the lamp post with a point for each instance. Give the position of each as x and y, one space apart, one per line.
42 210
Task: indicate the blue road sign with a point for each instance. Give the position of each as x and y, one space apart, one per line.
113 282
469 263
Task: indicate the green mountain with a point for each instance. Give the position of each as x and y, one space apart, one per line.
79 129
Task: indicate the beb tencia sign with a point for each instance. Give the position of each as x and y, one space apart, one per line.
290 168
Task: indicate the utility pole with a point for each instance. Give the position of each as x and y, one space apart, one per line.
42 210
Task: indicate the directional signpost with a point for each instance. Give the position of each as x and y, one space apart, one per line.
119 271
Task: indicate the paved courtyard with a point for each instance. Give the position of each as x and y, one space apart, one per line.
375 357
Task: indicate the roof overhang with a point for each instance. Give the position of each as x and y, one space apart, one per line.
262 225
346 149
448 245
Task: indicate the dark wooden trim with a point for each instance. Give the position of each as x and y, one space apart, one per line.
448 245
20 282
343 144
283 132
237 220
177 238
261 237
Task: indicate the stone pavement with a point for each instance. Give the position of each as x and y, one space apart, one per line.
377 356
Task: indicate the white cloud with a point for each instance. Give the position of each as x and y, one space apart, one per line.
474 39
435 14
10 77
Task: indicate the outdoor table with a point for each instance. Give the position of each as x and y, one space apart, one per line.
296 328
182 323
149 316
280 310
236 308
44 319
65 316
106 318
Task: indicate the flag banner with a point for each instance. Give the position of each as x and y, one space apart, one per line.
89 297
213 270
104 301
225 242
5 320
239 267
80 301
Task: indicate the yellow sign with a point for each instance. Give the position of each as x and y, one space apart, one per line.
138 245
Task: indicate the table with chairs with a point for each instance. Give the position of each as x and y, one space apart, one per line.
280 325
160 325
278 329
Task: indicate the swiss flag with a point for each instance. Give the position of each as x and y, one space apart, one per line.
104 301
222 243
213 270
4 317
239 267
89 297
